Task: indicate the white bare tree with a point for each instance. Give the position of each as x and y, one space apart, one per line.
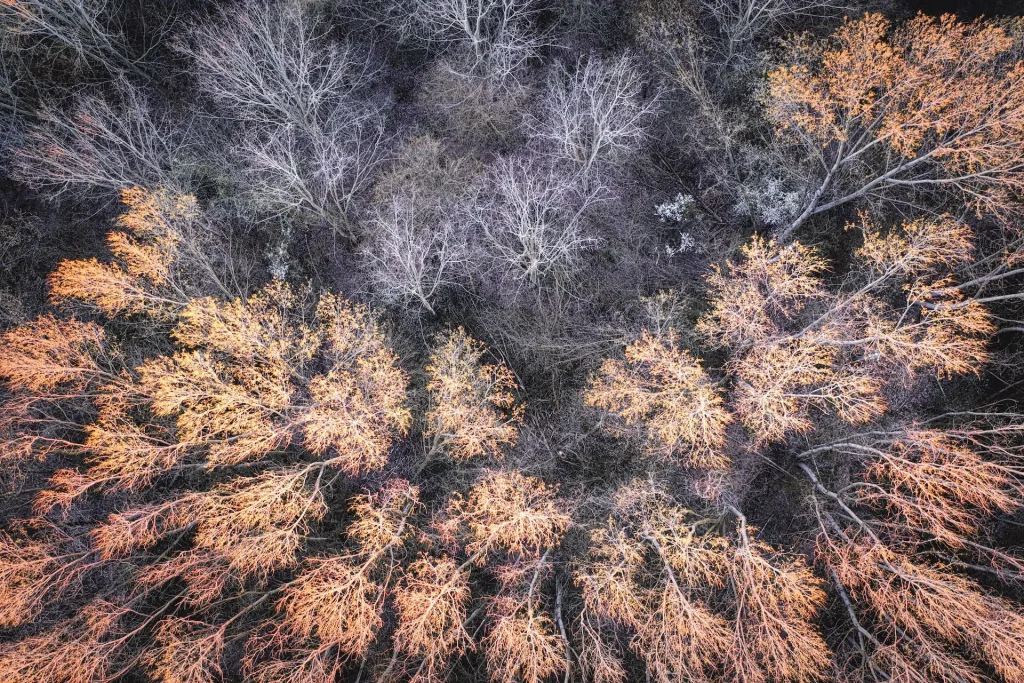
105 146
742 21
534 222
80 28
317 173
489 39
312 136
274 63
409 259
595 114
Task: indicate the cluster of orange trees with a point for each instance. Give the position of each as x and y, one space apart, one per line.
266 485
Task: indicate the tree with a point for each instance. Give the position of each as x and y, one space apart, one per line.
51 363
417 234
934 104
535 223
251 378
83 28
662 394
519 519
472 410
596 113
496 36
273 63
108 145
254 375
312 138
316 175
742 21
332 610
797 346
697 603
165 255
914 614
412 261
786 462
504 514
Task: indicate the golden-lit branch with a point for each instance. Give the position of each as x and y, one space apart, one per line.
506 511
928 622
145 276
51 355
522 644
332 611
799 348
698 604
432 601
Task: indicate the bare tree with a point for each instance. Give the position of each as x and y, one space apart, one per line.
106 146
273 63
78 27
312 139
497 35
534 225
742 21
595 113
317 174
410 260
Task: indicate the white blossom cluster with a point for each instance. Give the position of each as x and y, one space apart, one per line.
676 210
771 202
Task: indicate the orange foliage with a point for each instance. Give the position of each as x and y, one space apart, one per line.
507 511
925 479
797 346
522 644
932 101
472 409
926 618
54 369
186 652
36 571
240 387
337 601
698 604
143 278
432 601
663 392
71 652
48 353
754 297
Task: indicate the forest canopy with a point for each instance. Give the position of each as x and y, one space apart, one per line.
521 341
